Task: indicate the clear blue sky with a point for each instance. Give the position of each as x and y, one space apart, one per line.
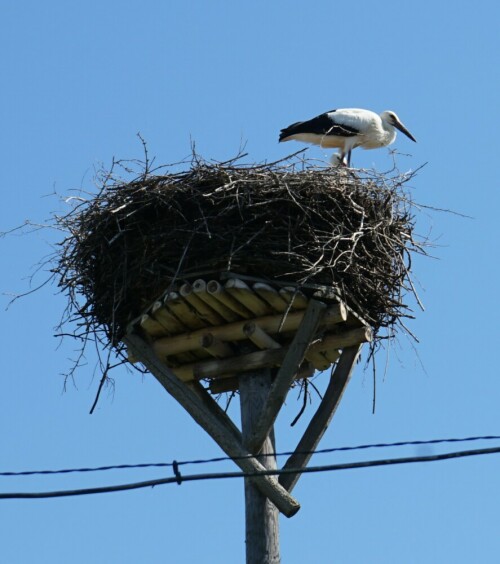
80 79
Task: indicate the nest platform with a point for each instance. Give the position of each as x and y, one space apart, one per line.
215 329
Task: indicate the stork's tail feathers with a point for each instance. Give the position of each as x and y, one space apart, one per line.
288 131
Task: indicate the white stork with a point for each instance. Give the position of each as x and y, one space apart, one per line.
347 129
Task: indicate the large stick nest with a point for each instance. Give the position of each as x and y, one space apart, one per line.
288 221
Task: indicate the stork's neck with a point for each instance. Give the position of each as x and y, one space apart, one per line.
389 133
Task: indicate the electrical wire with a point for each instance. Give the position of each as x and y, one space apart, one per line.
225 475
357 447
226 458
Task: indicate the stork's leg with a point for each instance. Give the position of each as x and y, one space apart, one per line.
349 158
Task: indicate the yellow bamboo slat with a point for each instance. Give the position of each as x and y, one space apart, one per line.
204 311
152 327
318 360
200 290
272 324
183 311
332 355
270 296
192 330
341 340
259 337
244 294
165 318
215 347
216 290
291 295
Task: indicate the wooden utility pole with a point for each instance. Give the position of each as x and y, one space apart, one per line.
287 343
261 516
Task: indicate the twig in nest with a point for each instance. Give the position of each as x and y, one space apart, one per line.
104 377
305 393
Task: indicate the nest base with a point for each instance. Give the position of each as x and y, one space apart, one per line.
217 328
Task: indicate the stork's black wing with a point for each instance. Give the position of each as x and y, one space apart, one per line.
323 124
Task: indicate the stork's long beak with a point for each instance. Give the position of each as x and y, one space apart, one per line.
403 129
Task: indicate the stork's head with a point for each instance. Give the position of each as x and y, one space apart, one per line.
392 119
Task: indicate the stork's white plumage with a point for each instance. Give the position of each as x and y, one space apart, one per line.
347 129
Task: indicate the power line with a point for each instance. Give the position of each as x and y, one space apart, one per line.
91 469
226 458
225 475
373 446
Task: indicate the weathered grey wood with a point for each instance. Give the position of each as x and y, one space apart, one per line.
321 419
230 383
286 374
261 516
222 434
215 409
216 368
219 368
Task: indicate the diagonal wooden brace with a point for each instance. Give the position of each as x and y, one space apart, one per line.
321 419
205 411
286 374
